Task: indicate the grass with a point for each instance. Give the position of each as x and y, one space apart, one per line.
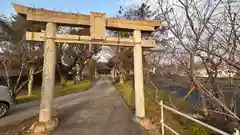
179 124
59 91
127 93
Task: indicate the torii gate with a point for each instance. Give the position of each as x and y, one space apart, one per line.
98 23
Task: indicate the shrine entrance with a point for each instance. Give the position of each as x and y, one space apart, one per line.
98 24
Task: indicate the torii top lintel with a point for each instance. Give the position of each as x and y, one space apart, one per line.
63 18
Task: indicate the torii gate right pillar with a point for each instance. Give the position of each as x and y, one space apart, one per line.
138 76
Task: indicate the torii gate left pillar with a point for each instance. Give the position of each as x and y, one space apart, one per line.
48 75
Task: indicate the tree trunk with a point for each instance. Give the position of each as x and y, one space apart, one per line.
82 77
204 105
8 80
62 77
192 68
122 78
96 74
146 75
121 73
113 73
121 81
77 76
30 82
193 76
154 70
79 72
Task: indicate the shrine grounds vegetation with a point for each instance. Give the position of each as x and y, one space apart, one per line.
179 124
59 90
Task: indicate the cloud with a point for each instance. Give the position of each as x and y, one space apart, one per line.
152 3
130 2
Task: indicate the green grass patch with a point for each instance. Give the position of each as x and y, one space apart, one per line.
24 99
178 123
127 93
59 91
73 88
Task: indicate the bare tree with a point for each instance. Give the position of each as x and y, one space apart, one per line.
81 53
194 27
18 55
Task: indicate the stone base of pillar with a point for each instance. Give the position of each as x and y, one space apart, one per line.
44 128
144 122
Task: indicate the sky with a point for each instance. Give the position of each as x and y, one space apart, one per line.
78 6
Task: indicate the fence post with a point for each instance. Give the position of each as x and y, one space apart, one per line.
162 119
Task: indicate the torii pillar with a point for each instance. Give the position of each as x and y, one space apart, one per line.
138 76
48 76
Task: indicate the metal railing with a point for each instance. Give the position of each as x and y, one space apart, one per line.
163 125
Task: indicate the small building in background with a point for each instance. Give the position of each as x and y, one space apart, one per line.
102 68
223 71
